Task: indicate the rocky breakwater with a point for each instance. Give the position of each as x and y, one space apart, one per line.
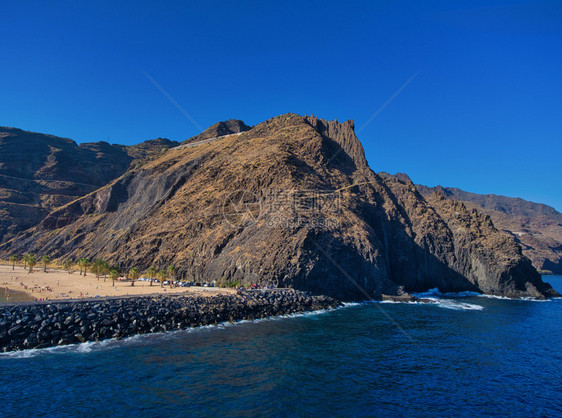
42 325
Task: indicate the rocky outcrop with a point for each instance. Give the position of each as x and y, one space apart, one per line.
42 325
534 226
228 127
292 203
344 136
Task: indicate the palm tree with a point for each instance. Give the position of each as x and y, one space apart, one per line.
99 267
162 276
86 264
81 264
14 259
45 260
151 273
134 274
25 257
114 275
172 273
31 262
105 269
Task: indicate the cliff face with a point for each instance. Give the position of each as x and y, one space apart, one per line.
41 172
291 202
536 227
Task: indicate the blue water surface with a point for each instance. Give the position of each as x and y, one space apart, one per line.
470 356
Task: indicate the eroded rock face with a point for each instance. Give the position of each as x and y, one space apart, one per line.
39 173
291 202
534 226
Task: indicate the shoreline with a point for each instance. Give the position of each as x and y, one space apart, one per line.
58 285
9 296
56 323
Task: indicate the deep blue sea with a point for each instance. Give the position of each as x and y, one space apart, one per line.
470 356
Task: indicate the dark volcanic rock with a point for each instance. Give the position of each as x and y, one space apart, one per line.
43 325
536 227
293 203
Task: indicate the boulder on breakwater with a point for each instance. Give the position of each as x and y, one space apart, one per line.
41 325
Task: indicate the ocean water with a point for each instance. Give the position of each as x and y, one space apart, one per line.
10 296
469 356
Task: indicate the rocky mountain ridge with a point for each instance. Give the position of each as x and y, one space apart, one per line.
291 202
535 226
40 172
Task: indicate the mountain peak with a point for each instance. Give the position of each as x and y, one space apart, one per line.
227 127
343 133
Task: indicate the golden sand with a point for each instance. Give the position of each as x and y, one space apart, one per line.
58 284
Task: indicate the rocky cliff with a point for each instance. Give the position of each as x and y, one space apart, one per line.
291 202
41 172
536 227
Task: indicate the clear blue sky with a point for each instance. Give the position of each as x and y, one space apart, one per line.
484 112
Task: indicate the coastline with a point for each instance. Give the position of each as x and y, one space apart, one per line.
29 325
58 285
9 295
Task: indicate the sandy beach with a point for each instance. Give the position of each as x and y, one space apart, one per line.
58 284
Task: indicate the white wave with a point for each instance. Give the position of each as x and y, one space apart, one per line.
434 298
81 348
494 297
530 299
23 354
455 305
350 304
525 298
408 302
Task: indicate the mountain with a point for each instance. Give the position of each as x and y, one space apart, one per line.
536 227
290 202
40 172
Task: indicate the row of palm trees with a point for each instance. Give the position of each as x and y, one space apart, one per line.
99 268
29 260
162 275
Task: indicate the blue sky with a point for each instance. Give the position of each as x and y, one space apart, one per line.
484 112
